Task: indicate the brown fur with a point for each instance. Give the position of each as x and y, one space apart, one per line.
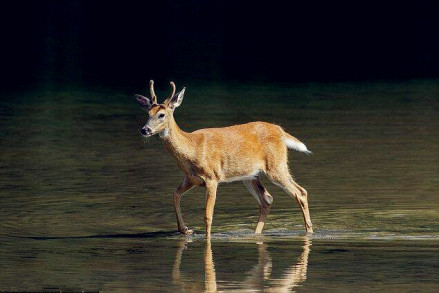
214 155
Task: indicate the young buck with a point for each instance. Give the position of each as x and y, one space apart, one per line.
214 155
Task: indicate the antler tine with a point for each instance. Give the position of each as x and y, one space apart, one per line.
172 94
151 90
173 90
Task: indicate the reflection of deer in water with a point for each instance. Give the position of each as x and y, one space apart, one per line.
261 272
296 274
209 268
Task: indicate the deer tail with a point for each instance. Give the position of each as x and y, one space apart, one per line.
293 143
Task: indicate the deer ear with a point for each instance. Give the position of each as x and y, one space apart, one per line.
144 102
176 99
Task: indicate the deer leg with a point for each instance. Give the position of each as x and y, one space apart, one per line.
211 187
264 199
184 186
286 182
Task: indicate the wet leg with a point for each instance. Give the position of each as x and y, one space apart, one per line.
286 182
264 199
211 187
184 186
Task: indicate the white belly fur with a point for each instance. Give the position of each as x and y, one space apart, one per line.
242 178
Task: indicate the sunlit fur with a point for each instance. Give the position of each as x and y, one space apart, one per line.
241 152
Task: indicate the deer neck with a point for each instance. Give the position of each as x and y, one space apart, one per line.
177 142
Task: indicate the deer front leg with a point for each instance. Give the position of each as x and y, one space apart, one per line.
211 187
184 186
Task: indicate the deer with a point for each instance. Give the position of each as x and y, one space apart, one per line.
211 156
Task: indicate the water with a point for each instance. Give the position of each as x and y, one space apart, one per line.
86 204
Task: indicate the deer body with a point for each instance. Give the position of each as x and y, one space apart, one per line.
211 156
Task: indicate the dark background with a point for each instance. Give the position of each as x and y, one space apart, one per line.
126 43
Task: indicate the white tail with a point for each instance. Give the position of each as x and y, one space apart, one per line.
210 156
295 144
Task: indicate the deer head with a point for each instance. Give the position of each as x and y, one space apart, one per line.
160 115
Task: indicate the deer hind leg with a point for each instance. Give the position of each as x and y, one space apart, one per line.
184 186
264 199
284 180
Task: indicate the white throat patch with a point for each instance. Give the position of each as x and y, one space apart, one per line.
164 133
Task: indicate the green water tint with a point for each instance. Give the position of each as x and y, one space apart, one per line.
73 165
229 263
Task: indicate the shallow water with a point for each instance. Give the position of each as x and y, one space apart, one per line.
87 205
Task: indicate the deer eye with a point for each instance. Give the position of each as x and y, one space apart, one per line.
161 115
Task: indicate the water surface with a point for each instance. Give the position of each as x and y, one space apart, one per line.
87 204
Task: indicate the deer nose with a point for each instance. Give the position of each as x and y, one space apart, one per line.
145 130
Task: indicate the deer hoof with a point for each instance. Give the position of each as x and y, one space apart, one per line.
186 231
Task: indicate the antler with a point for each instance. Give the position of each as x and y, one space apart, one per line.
151 90
172 94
